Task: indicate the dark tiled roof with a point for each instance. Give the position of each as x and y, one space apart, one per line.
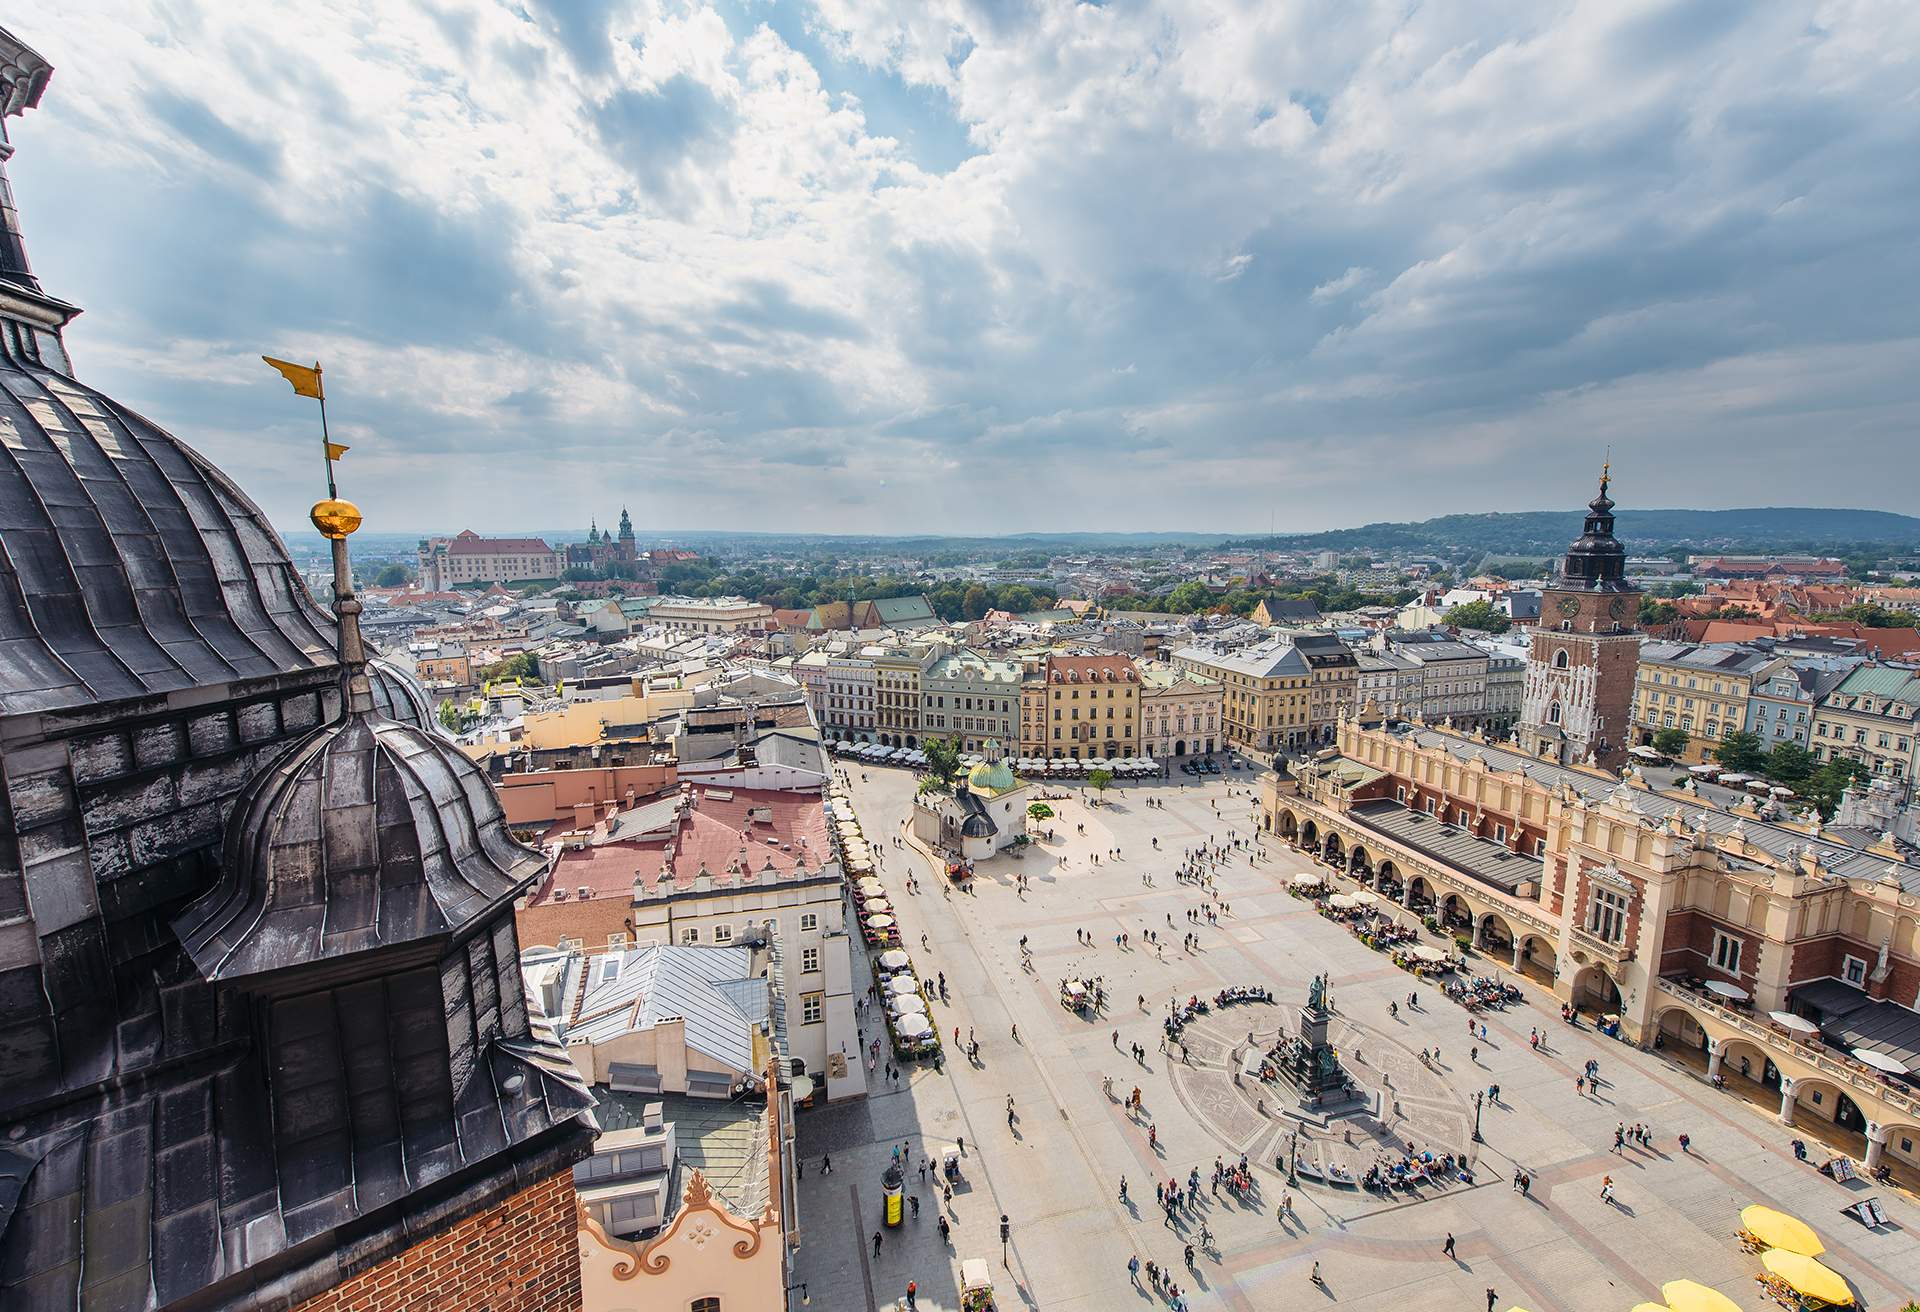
128 564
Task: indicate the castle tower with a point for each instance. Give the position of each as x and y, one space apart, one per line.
1578 697
627 551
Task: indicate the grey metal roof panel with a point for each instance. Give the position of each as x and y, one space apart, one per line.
1490 862
128 564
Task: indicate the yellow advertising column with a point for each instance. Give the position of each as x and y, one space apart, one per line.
891 1184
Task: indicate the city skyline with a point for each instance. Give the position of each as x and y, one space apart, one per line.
978 270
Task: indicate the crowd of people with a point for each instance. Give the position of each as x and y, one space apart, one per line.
1183 1200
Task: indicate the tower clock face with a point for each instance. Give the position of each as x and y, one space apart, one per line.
1618 608
1569 606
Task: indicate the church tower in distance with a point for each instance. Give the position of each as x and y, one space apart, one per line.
1578 700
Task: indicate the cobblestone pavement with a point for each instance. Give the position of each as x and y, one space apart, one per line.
1055 1169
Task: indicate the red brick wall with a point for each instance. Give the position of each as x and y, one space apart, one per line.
522 1255
1818 957
1618 665
1688 945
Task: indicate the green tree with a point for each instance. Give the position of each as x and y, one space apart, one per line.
1740 751
1874 616
1101 779
392 576
1670 742
1824 786
525 665
1481 615
943 763
1189 597
1039 811
1657 614
1789 763
975 602
449 716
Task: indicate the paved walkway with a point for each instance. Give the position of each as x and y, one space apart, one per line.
1054 1171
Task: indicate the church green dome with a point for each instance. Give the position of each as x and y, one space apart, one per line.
992 778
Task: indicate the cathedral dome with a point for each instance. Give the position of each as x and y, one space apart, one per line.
366 834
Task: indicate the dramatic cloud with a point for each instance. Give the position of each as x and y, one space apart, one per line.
980 265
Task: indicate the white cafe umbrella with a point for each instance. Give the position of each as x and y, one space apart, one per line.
914 1026
871 887
1363 899
894 959
900 984
1799 1024
879 906
1880 1061
1721 989
1429 954
1341 901
880 922
1306 881
903 1004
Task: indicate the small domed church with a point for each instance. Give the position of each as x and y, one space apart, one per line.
262 1023
984 813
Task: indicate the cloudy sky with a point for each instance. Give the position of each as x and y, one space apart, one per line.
984 265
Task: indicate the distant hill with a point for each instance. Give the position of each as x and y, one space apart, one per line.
1520 533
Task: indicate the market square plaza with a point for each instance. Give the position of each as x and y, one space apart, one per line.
1054 1167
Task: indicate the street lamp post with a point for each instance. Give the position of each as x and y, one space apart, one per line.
1479 1096
805 1300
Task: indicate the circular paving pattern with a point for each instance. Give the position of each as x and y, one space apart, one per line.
1416 1103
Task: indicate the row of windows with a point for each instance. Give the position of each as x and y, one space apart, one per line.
1896 768
1827 729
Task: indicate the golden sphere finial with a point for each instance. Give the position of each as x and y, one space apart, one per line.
335 518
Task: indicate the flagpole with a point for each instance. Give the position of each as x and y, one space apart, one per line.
326 443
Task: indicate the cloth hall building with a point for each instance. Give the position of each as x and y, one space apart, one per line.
1692 923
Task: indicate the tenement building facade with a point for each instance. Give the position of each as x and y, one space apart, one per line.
1689 922
266 1044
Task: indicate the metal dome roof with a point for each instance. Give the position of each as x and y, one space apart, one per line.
129 565
366 834
398 696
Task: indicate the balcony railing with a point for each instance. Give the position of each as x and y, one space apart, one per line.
1861 1078
1601 947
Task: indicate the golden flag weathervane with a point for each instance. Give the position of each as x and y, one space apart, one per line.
333 517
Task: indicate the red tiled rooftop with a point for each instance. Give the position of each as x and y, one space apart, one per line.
716 833
466 546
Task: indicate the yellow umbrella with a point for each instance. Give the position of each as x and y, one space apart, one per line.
1692 1296
1778 1230
1807 1276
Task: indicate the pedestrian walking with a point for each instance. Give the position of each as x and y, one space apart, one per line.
1447 1247
876 1243
826 1166
913 1292
1492 1298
